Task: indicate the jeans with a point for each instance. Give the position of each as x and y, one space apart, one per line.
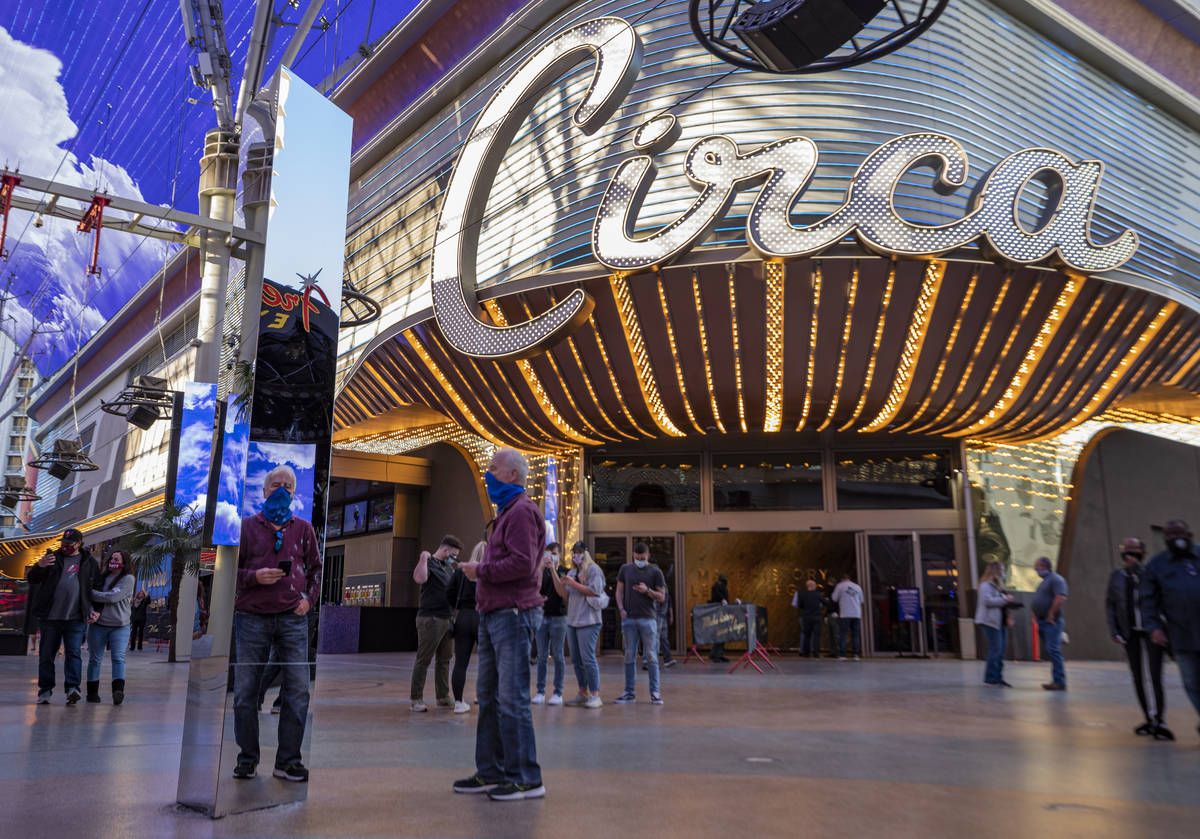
433 636
117 639
646 631
664 640
70 635
810 637
505 751
255 635
835 636
466 633
550 636
1051 635
1189 672
851 636
993 671
583 656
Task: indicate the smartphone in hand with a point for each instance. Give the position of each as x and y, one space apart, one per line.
285 565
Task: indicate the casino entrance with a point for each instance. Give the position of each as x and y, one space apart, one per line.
766 568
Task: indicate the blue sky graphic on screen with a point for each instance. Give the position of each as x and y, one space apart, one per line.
102 99
261 458
303 168
195 445
227 524
551 500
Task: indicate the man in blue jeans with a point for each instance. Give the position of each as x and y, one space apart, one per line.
61 604
1047 604
278 581
1170 591
507 595
640 588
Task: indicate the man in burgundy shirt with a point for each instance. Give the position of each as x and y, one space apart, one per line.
508 597
278 581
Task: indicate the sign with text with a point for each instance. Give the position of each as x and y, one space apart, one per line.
908 604
722 623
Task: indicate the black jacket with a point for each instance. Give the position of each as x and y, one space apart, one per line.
47 579
720 592
1171 598
1116 602
810 603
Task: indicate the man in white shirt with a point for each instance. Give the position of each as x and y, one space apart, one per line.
849 598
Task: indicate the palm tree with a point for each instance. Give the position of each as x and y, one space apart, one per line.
173 535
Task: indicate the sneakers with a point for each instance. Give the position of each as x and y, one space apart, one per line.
73 696
556 699
579 701
670 663
474 785
516 792
656 699
1053 686
625 698
841 658
461 707
445 703
538 698
418 707
1161 732
44 697
244 770
593 701
293 771
1146 729
856 658
276 705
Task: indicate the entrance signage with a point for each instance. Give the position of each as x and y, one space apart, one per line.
908 604
781 171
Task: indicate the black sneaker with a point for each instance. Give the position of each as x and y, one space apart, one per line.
244 770
293 771
44 697
475 784
1161 732
656 699
516 792
670 663
73 696
625 699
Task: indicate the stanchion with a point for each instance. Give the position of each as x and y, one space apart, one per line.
694 652
1037 651
747 660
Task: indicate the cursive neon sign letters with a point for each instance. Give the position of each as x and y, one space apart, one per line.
719 167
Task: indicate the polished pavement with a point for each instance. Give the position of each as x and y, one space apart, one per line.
817 749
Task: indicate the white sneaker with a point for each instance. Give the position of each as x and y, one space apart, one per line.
419 707
556 699
856 658
461 707
593 701
539 698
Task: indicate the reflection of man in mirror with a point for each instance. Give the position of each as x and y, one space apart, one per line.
278 581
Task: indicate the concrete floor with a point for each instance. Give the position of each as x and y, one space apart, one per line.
818 749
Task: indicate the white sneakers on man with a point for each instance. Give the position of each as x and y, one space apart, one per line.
461 707
539 698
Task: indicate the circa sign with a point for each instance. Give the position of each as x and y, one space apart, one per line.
719 167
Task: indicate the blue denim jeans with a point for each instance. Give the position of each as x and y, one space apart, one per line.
117 639
1189 673
664 639
583 656
70 635
993 671
852 636
255 636
644 630
505 750
550 636
1051 635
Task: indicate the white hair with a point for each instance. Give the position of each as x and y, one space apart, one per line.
508 458
283 467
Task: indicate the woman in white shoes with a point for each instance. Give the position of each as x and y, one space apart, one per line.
583 589
466 628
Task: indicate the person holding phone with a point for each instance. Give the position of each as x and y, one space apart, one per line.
62 603
278 582
108 625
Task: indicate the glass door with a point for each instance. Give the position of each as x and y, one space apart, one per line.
610 553
939 586
889 561
662 554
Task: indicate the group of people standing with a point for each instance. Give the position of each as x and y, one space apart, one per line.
1152 610
843 609
74 593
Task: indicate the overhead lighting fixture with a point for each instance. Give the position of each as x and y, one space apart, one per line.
144 403
66 457
15 491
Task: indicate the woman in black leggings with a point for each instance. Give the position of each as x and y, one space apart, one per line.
466 628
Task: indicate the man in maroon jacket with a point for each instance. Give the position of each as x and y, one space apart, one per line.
278 581
509 600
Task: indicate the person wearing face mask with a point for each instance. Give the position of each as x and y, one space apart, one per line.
640 587
1047 604
278 581
508 598
1170 596
552 632
433 574
109 626
1123 609
991 615
61 604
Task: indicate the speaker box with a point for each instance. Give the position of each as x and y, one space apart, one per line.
786 35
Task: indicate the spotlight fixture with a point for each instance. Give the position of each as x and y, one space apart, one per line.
357 308
66 457
15 491
142 404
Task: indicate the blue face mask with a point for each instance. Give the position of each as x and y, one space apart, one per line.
641 563
499 492
278 508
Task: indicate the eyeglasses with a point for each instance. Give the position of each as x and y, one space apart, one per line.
278 540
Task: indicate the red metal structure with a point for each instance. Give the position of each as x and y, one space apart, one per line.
7 184
93 219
